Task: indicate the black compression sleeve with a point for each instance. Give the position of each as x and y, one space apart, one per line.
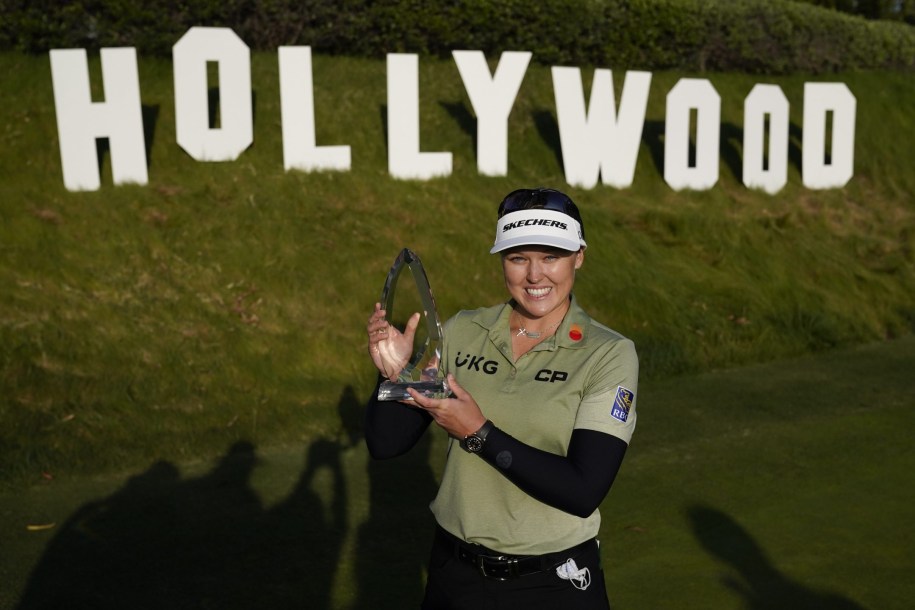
392 428
576 483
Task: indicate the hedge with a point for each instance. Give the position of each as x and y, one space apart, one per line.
756 36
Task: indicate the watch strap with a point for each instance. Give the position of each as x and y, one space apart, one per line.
474 443
484 430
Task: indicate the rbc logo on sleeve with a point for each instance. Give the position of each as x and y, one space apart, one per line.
622 403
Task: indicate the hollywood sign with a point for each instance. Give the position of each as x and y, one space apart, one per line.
598 141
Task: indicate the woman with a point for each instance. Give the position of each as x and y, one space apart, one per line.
542 411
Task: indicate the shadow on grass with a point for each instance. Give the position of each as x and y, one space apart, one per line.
394 541
548 128
160 542
757 581
170 543
465 119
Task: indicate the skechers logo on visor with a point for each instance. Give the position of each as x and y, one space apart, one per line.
534 221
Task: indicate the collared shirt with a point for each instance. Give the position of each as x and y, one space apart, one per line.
584 376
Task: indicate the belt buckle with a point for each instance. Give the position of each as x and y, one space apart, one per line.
507 569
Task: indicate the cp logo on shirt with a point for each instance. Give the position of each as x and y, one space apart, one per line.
551 376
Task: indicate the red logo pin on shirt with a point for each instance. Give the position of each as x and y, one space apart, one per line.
575 333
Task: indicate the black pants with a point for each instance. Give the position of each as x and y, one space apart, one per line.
454 584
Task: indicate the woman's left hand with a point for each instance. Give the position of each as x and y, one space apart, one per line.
460 415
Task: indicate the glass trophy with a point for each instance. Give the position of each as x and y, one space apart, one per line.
424 371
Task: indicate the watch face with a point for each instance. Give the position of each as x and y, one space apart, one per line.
474 443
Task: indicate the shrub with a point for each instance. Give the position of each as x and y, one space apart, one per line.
757 36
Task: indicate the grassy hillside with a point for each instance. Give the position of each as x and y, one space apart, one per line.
225 301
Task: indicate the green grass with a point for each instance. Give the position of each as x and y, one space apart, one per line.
783 485
780 478
225 301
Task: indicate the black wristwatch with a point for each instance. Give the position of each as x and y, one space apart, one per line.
473 443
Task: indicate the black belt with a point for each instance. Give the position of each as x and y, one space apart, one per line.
492 564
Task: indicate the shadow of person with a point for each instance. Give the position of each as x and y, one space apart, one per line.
760 584
208 551
302 537
159 542
351 410
101 556
394 542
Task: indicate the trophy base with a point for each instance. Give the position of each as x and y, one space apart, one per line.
397 390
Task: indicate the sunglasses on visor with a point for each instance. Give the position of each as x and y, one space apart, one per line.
540 199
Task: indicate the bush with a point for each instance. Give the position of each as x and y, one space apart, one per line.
756 36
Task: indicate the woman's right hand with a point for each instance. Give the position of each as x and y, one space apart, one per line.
389 348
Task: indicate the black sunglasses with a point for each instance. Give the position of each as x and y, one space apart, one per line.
541 199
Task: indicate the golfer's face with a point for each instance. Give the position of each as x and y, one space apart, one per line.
540 278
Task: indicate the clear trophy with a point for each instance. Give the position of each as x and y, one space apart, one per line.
424 371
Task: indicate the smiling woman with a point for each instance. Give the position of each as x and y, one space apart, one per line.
541 238
540 280
543 407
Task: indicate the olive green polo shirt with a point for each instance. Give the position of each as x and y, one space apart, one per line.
584 376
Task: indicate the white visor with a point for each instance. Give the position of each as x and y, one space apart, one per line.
538 227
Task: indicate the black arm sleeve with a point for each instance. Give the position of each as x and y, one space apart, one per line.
391 427
576 483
